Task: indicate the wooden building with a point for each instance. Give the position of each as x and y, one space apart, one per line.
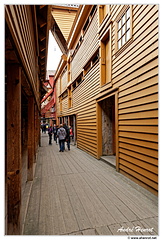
48 100
26 40
107 86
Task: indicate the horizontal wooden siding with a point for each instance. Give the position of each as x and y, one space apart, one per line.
135 72
87 48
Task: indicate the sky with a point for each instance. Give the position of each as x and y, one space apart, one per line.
54 53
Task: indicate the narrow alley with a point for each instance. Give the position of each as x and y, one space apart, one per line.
103 89
75 194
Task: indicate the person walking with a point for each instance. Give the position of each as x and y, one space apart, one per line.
67 135
61 134
71 133
57 140
44 128
50 132
55 133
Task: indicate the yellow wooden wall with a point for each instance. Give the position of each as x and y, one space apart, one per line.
86 111
64 19
57 105
135 72
135 75
87 49
64 81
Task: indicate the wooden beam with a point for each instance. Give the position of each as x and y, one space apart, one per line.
41 62
41 21
13 149
41 35
42 55
30 138
42 46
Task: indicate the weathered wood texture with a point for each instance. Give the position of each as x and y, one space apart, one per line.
74 194
22 31
13 149
23 40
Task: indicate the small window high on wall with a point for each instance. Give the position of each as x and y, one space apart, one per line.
124 27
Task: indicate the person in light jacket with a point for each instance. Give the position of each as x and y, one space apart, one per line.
61 134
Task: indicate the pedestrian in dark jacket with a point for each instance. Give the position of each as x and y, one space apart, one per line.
67 135
55 132
50 132
61 134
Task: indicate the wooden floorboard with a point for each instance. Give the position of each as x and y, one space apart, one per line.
131 202
79 211
91 211
116 207
67 209
75 194
104 230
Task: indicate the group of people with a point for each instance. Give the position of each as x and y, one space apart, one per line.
62 133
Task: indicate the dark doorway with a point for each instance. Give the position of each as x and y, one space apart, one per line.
108 129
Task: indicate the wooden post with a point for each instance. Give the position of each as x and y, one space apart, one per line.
35 132
74 124
13 149
37 129
116 131
39 134
30 138
99 130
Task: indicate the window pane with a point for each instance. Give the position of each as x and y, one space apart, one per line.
119 34
128 13
119 44
128 35
119 24
123 40
128 24
123 29
123 19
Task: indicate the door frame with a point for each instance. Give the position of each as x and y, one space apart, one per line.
99 125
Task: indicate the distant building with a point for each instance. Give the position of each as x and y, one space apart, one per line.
49 100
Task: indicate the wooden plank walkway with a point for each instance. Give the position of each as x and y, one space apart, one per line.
75 194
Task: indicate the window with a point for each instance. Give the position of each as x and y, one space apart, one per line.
105 58
64 94
123 29
91 62
88 21
77 81
74 85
